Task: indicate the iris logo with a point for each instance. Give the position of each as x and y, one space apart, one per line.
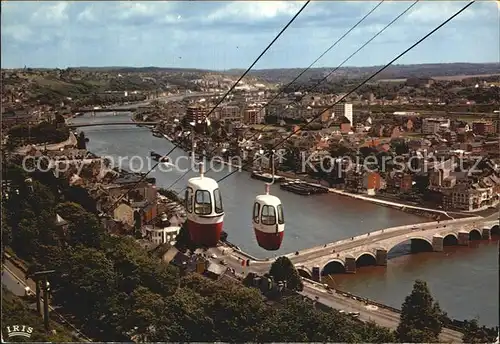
19 330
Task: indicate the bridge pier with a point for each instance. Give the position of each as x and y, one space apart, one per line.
350 265
381 257
316 274
463 238
486 234
437 243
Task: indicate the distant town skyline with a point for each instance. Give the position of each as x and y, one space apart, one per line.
228 35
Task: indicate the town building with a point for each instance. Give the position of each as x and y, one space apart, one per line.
434 125
372 181
253 116
343 109
195 113
483 127
467 197
398 182
229 113
161 235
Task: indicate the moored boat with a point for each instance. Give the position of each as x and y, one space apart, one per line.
266 177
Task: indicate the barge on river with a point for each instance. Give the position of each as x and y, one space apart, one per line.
159 157
266 177
302 188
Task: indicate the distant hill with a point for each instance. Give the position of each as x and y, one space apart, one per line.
151 69
392 72
288 74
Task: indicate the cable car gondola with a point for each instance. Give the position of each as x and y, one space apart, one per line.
205 213
268 220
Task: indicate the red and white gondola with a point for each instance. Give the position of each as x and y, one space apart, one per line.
268 220
205 212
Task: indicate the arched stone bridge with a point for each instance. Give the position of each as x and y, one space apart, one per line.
373 248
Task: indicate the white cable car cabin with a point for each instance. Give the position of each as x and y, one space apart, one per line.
205 212
268 221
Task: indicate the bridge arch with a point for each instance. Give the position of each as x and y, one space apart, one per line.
450 239
304 272
417 244
475 234
366 259
333 266
495 230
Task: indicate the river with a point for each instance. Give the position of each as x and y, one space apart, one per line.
463 280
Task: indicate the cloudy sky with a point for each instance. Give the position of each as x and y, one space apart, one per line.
231 34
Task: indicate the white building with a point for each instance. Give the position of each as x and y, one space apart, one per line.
159 235
434 125
343 109
165 233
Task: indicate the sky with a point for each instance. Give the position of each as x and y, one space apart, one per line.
231 34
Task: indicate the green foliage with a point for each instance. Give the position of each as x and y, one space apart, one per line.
16 312
420 316
474 334
81 141
43 132
84 227
283 270
59 119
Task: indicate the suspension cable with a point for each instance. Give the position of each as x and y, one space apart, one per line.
364 82
330 73
284 88
115 204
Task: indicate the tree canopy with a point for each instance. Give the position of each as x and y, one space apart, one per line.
283 270
420 316
473 333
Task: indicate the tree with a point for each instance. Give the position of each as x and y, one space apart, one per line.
284 270
337 149
59 118
475 334
420 316
292 159
81 141
401 148
84 228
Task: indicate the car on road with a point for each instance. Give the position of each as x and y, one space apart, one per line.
342 311
223 262
354 314
213 256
